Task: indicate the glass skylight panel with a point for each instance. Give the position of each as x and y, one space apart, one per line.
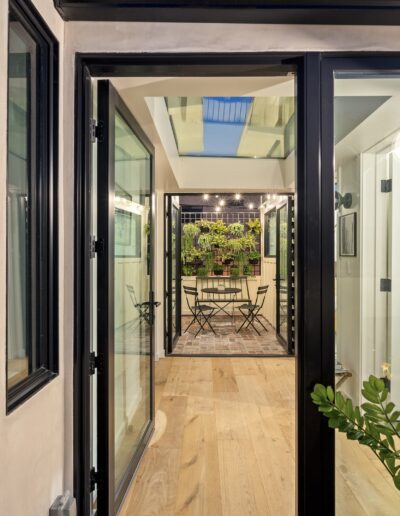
248 127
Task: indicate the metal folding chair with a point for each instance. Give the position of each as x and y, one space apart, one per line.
251 312
142 308
198 310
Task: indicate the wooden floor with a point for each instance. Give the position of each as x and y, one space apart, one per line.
224 444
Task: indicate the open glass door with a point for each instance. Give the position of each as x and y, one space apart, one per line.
173 287
125 307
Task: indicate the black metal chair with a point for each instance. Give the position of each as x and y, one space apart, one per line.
198 310
251 312
142 308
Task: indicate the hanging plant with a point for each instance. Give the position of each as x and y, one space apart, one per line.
234 272
226 258
219 241
254 226
236 229
187 270
218 269
235 245
247 269
205 241
190 230
219 227
254 256
248 242
204 225
202 272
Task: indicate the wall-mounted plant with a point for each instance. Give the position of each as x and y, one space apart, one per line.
204 225
254 226
218 269
247 269
190 230
219 227
236 229
248 242
375 424
226 258
218 240
235 246
254 256
205 241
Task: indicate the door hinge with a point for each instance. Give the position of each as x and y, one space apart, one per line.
386 285
95 246
93 479
386 185
94 363
95 131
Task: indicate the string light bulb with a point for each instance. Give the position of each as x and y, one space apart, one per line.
206 196
222 202
237 196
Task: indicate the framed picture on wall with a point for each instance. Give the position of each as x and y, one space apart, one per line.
270 233
128 241
348 235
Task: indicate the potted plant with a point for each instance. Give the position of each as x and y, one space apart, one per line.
247 269
218 269
234 272
254 256
236 229
235 246
219 227
219 241
190 230
375 424
205 241
204 225
254 226
248 242
226 258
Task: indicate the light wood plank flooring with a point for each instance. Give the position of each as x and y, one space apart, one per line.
224 444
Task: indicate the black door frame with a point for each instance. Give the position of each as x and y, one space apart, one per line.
169 337
109 495
314 205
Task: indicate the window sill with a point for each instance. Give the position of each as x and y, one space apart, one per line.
28 387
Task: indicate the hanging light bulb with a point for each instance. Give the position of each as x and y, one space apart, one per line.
237 196
222 202
216 196
206 196
251 206
217 208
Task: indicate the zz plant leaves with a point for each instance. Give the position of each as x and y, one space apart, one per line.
375 424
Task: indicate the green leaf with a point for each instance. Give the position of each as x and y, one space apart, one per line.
339 400
396 480
320 390
389 407
371 408
374 398
334 422
348 408
395 416
384 394
330 393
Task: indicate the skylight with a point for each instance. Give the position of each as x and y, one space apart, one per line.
247 127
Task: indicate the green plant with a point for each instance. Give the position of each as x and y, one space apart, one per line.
208 260
219 227
218 269
204 225
192 255
190 230
187 270
219 240
375 424
202 272
147 229
234 272
235 245
253 257
236 229
226 258
205 241
248 242
254 226
247 269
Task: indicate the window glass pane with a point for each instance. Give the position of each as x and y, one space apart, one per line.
367 264
132 294
21 359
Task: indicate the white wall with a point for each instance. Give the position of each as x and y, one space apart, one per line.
32 438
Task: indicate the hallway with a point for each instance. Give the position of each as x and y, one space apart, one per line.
224 440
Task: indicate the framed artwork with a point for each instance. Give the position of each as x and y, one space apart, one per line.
348 235
270 233
128 241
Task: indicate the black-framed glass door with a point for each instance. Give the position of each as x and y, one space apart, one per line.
125 308
173 276
285 274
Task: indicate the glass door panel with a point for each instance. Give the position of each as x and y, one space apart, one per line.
282 273
173 272
125 298
367 269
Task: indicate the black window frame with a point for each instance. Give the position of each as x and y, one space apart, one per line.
45 204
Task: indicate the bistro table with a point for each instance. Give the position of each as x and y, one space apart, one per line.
221 304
